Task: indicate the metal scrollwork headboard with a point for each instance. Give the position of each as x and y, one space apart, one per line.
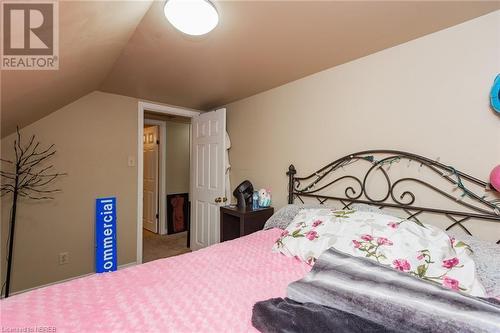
471 204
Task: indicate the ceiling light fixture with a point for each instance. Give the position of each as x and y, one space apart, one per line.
193 17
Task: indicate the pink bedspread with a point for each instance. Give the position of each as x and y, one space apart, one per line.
210 290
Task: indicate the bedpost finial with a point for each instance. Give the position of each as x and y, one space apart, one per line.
291 181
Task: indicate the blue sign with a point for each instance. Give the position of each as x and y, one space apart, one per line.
105 235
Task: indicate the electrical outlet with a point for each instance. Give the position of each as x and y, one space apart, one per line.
63 258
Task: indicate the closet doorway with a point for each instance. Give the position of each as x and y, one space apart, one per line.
166 180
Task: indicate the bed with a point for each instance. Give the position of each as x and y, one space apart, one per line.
210 290
215 289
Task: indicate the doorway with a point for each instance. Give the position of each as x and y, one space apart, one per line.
150 114
151 179
166 178
207 172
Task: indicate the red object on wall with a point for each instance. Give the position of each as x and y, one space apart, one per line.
178 213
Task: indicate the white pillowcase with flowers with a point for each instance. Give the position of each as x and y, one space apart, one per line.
419 249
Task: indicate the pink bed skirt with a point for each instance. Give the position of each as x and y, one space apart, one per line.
210 290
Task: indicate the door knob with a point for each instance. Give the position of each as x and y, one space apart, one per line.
220 199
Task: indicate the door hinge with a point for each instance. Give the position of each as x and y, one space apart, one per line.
157 142
157 216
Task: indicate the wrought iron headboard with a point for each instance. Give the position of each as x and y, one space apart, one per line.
474 205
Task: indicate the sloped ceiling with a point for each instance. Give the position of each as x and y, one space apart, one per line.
92 34
122 47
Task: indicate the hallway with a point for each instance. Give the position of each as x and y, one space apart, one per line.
157 246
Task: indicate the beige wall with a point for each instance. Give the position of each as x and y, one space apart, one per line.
177 157
94 137
428 96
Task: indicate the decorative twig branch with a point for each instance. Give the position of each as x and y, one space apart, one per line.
28 179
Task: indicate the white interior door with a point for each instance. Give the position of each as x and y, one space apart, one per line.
207 176
150 193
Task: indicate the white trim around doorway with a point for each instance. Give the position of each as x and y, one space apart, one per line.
162 109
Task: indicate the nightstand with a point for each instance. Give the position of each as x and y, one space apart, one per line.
236 222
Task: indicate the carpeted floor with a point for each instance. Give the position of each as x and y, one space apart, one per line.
157 246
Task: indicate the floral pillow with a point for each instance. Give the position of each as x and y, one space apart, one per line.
419 249
488 270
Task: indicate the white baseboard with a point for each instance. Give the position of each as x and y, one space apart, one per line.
65 280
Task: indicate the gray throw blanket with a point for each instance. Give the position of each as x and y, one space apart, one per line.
278 315
396 300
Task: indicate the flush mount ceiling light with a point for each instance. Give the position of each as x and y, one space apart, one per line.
193 17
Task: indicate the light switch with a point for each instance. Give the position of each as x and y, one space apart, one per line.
131 161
